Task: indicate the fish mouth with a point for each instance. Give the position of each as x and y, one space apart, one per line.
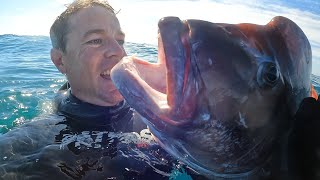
175 104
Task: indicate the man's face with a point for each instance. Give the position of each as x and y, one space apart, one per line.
94 46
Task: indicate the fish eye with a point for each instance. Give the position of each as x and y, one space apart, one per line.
268 74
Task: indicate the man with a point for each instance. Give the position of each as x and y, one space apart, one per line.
90 142
87 42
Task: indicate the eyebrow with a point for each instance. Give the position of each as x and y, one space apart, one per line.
121 33
101 31
93 31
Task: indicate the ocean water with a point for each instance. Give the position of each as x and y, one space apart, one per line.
29 80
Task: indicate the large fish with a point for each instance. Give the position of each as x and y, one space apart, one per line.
222 96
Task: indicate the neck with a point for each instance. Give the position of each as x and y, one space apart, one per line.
96 101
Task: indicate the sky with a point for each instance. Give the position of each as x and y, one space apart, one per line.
139 18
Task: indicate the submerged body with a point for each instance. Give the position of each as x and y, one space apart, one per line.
222 96
49 148
82 143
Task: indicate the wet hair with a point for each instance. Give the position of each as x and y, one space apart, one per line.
60 28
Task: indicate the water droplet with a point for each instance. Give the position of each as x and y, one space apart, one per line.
205 116
210 61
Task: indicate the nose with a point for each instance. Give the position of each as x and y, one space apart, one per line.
114 50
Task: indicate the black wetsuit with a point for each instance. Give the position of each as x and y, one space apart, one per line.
304 141
89 121
88 135
86 116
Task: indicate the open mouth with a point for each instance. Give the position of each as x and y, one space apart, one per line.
177 105
174 49
105 74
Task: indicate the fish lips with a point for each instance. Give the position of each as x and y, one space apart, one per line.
177 105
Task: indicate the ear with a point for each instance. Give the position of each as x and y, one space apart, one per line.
56 58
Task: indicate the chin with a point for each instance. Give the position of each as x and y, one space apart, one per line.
114 98
110 94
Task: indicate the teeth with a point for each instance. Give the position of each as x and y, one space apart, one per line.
106 73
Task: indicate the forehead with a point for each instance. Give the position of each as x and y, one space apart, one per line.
95 17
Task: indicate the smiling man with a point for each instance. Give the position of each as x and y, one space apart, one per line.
87 42
94 138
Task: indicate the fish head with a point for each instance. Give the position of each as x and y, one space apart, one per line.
220 94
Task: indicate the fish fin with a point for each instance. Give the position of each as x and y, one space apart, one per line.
313 93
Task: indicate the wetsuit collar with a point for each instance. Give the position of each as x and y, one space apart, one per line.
85 115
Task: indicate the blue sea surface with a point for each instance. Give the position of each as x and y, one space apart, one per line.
29 80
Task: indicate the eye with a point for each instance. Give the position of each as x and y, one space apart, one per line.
95 41
268 74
